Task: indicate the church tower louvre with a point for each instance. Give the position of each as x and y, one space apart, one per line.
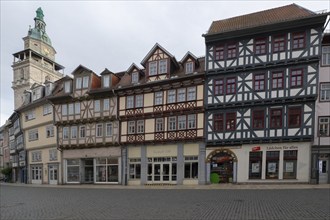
36 63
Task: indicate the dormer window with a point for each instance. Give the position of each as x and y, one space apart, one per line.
162 66
27 98
189 67
85 81
153 68
48 89
78 82
135 77
67 87
36 94
106 81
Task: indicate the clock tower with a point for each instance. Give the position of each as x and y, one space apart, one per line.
36 63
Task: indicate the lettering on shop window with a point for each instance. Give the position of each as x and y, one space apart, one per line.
282 148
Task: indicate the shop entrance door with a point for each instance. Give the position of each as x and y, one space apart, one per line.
323 170
53 174
162 172
88 170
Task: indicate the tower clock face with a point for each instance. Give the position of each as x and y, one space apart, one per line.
46 51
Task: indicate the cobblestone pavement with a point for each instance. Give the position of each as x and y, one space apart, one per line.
25 202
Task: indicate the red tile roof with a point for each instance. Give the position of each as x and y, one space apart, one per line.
271 16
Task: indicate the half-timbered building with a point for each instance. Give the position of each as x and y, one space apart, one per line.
260 91
162 119
85 114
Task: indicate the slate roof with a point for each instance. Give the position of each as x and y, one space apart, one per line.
271 16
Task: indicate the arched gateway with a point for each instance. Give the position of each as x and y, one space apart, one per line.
223 166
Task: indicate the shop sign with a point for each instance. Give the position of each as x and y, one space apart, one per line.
282 148
22 163
257 148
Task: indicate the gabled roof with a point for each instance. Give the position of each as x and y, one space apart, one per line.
271 16
155 47
35 85
81 67
106 71
132 67
187 55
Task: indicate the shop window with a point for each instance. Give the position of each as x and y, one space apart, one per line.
107 170
73 170
255 165
272 161
134 168
290 164
191 167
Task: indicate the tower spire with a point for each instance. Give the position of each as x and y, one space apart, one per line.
39 30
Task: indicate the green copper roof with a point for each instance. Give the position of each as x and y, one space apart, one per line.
39 30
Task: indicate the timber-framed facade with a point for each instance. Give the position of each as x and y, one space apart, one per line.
162 118
85 114
260 92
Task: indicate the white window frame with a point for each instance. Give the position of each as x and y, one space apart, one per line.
191 96
49 131
47 109
153 68
97 105
64 109
36 156
77 108
324 126
109 128
85 82
82 131
129 102
99 130
78 82
30 115
106 104
65 134
135 77
182 122
325 92
131 127
106 81
52 154
191 122
73 132
181 95
138 101
67 86
189 67
171 95
162 66
70 109
159 124
140 127
33 135
325 55
172 123
159 98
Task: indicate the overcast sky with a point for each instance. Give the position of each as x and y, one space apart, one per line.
114 34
